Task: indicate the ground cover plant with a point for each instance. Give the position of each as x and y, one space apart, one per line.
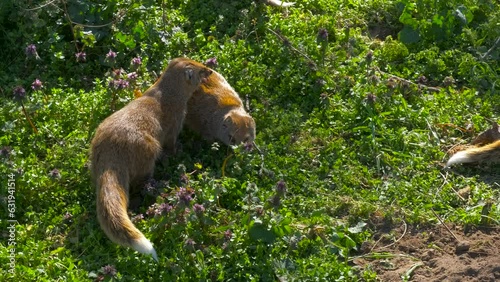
356 105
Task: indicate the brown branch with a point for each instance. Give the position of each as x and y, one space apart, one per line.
447 228
419 85
287 43
28 118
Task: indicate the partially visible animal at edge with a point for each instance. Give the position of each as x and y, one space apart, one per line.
485 149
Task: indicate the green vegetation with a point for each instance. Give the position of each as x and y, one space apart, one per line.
356 104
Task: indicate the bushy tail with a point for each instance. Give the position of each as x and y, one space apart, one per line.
488 153
278 3
113 218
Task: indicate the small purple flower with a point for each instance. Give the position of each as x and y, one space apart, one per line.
281 187
111 56
55 173
228 235
137 218
132 76
323 34
136 62
184 195
19 93
211 63
150 185
81 56
198 209
31 51
109 270
116 73
152 210
36 85
164 208
120 84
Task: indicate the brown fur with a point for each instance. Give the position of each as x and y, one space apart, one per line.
127 143
216 112
485 154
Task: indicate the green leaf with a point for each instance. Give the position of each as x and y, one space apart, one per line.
259 233
408 35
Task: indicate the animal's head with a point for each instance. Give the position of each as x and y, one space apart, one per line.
238 127
194 73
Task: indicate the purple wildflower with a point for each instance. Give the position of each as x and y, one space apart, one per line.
109 270
55 173
132 76
198 209
81 56
19 93
36 85
281 187
211 63
136 62
116 73
31 51
323 34
150 186
137 218
111 56
184 195
164 208
121 84
228 235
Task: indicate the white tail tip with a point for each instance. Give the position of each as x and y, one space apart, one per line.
144 246
458 158
278 3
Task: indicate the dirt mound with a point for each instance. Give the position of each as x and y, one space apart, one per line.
434 254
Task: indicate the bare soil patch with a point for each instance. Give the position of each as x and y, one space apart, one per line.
434 253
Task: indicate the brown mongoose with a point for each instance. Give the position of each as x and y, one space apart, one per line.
485 148
127 143
215 111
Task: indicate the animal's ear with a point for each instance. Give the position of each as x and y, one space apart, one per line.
188 73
